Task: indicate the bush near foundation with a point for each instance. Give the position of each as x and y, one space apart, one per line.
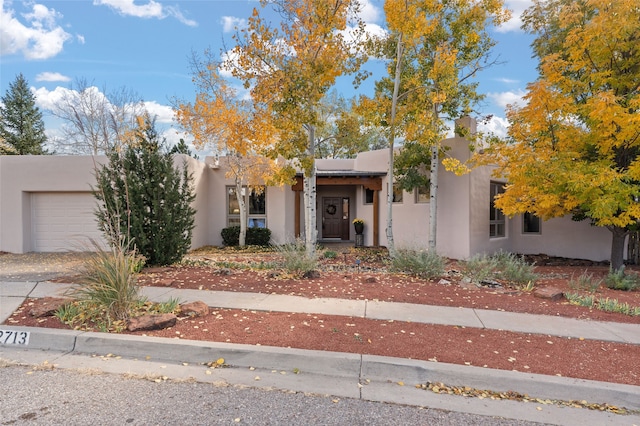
255 236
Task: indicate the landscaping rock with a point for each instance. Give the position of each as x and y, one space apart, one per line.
48 306
490 283
194 309
550 293
152 322
311 274
164 282
370 279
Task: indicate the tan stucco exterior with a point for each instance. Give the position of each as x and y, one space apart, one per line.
463 207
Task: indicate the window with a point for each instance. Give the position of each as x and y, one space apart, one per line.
530 223
256 202
397 193
368 196
497 220
422 194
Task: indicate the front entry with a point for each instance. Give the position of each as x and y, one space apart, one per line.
335 217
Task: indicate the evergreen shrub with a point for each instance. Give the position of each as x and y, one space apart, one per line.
255 236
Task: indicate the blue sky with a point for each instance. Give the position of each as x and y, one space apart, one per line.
144 46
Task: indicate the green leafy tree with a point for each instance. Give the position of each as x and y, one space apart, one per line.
145 199
21 124
574 148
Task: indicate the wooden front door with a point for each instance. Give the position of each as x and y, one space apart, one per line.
331 217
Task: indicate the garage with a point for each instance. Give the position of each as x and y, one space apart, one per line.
62 221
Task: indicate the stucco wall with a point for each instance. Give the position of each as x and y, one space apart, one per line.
279 205
22 175
463 208
562 237
199 172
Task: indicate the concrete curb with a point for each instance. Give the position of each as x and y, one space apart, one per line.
360 368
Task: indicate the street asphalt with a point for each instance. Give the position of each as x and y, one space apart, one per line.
359 376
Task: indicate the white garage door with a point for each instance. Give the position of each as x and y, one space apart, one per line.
63 221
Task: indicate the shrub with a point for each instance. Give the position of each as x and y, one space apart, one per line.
330 254
259 237
618 280
108 291
255 236
503 266
585 282
480 267
295 259
422 263
515 270
143 198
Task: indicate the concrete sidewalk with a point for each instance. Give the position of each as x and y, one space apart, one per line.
12 294
350 375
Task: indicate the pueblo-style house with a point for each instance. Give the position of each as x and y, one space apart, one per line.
46 205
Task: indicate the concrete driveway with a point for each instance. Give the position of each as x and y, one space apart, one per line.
34 267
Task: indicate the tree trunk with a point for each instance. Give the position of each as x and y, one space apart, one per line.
311 231
242 239
392 134
433 187
617 247
389 229
433 197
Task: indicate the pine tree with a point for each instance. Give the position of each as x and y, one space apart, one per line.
21 124
144 198
182 148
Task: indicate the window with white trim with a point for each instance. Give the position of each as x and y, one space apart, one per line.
255 202
497 220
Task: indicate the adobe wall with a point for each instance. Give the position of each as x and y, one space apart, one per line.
21 175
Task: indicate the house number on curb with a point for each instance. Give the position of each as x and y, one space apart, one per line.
10 337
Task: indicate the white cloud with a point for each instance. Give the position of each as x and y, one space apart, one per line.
368 12
497 126
163 113
507 98
39 38
375 30
52 76
47 99
177 13
230 23
152 9
128 8
507 80
516 7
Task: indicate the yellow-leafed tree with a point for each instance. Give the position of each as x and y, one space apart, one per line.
573 148
289 67
434 49
232 127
